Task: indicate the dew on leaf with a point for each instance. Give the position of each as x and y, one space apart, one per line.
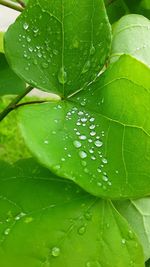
82 154
25 26
62 76
98 143
77 144
93 133
104 161
6 232
82 137
55 252
93 264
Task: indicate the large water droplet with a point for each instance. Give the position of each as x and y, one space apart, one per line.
25 25
98 143
82 154
55 251
62 76
77 144
82 137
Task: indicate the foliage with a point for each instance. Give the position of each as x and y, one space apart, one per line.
74 202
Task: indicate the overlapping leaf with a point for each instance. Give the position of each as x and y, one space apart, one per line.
139 6
137 213
131 35
94 137
59 46
46 221
115 9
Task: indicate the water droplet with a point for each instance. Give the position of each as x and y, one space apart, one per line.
77 144
20 215
92 50
104 161
25 25
98 143
55 251
81 230
105 178
62 76
123 241
92 119
91 150
46 142
86 67
82 154
83 119
92 133
92 127
99 170
6 232
82 137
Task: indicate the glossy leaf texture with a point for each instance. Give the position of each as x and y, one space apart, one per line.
131 35
10 83
94 137
137 213
115 9
46 221
59 46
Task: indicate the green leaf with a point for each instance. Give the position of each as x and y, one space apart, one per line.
139 6
115 9
137 213
1 42
94 137
46 221
10 83
131 35
59 46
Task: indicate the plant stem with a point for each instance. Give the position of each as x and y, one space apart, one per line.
21 3
14 103
11 5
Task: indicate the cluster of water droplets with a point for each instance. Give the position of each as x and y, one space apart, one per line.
88 143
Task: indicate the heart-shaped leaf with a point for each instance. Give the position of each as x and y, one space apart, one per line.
137 213
131 35
45 221
94 137
59 46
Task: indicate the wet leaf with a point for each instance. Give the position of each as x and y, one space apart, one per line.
137 213
47 221
131 35
94 137
59 46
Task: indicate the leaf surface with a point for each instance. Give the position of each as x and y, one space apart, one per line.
137 213
10 83
131 35
94 137
59 46
46 221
